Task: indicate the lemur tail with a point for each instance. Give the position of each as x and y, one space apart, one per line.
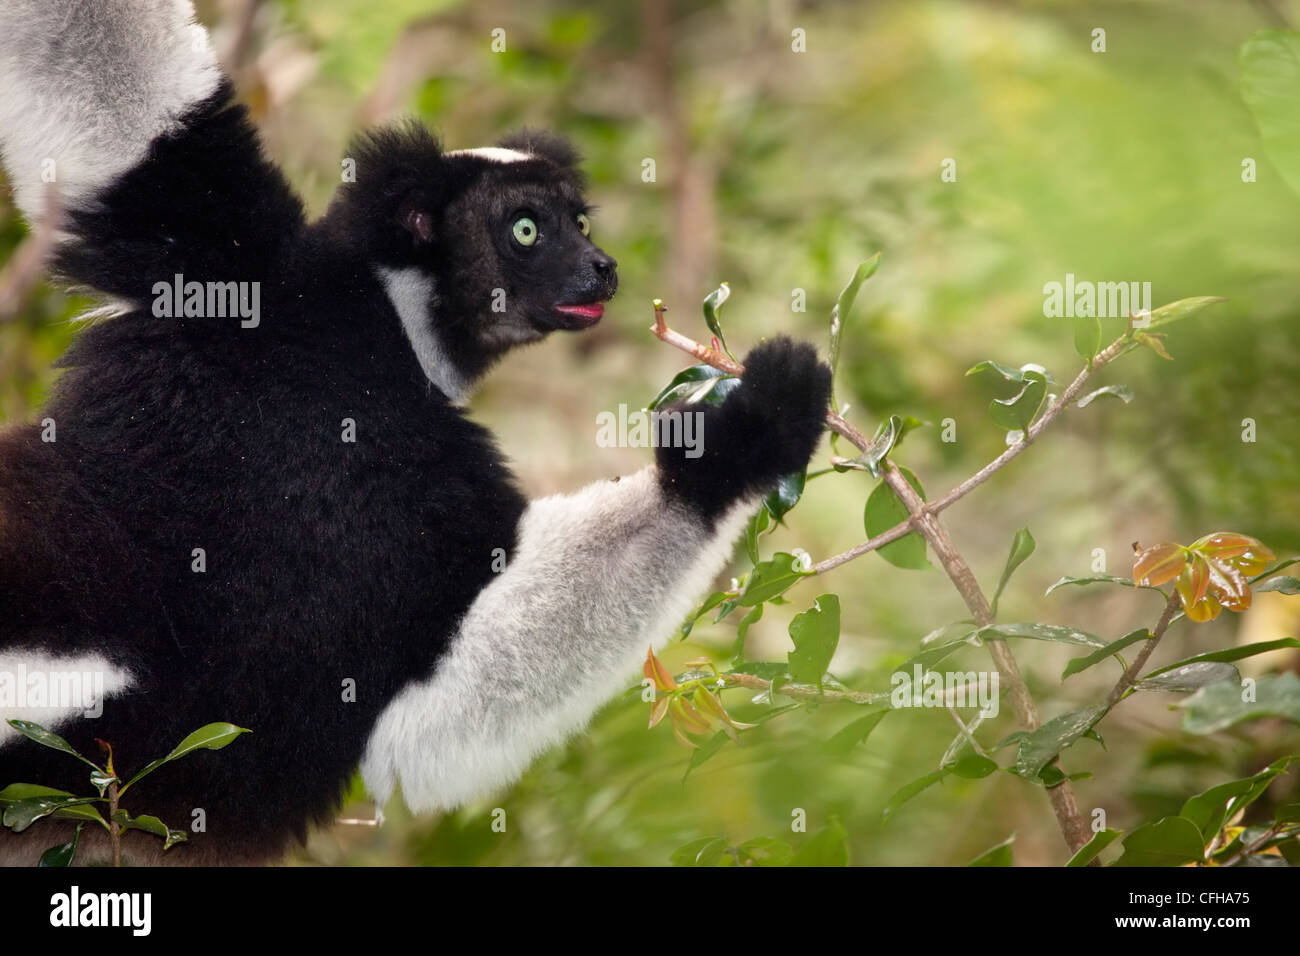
115 114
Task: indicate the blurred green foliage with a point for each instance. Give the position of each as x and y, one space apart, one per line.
780 171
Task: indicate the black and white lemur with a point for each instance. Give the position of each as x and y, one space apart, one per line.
323 561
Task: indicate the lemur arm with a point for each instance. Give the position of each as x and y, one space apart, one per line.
597 576
120 106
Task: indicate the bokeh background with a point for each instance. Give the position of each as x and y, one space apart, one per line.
779 170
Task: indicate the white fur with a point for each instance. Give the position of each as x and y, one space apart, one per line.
413 295
494 153
20 665
89 84
598 576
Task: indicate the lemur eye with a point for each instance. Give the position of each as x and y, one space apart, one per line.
584 224
525 231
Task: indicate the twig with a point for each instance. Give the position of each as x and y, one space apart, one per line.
802 691
923 519
23 269
1130 675
1246 851
114 828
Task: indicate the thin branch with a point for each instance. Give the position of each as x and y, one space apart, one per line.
1130 675
23 269
807 692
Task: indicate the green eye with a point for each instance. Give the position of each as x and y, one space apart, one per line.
525 231
584 224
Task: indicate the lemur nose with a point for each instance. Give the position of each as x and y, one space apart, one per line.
604 266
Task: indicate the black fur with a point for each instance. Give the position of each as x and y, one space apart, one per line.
326 561
769 426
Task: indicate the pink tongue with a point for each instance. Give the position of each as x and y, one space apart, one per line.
594 310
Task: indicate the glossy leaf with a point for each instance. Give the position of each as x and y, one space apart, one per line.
883 511
46 738
62 854
1090 850
1099 655
1022 546
1211 808
1019 375
788 491
1087 336
1158 564
1220 706
707 851
1097 579
1040 746
1173 312
816 634
771 578
1231 654
1189 677
1285 584
1172 841
1122 392
684 384
1018 412
999 855
212 736
843 306
21 814
150 824
1043 632
712 306
853 733
910 790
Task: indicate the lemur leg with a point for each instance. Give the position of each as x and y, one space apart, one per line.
597 576
86 86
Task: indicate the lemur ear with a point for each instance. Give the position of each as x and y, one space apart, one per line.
417 220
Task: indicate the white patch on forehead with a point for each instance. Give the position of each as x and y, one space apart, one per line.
412 293
494 153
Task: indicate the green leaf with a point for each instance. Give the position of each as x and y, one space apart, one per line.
972 767
844 305
1189 677
1088 852
1018 412
1220 705
788 491
853 733
738 649
829 846
1020 375
883 511
1177 311
62 854
1269 572
910 790
1270 85
1041 746
1172 841
1096 657
208 737
999 855
1211 808
766 851
706 851
47 739
697 383
1022 546
1098 579
26 791
756 526
1043 632
149 824
1087 336
21 814
712 306
770 578
816 634
1283 585
1122 392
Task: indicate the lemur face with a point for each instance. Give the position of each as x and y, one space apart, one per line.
522 261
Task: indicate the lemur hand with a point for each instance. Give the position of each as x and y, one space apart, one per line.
768 426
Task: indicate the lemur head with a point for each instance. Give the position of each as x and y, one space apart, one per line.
481 250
